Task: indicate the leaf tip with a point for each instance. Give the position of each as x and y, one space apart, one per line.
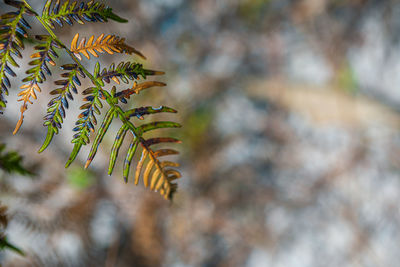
87 164
18 126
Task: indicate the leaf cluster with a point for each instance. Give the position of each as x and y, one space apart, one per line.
10 162
101 97
13 29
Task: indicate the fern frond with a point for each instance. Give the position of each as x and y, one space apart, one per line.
140 112
13 28
87 119
163 175
100 135
56 107
125 71
36 74
162 178
157 125
157 175
160 172
28 92
92 11
136 88
104 43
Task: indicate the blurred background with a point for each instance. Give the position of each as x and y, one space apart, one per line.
291 144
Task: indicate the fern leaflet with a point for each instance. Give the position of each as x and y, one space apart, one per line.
157 175
13 28
54 13
104 43
36 74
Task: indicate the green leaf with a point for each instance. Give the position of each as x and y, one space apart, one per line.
49 137
100 135
128 158
139 112
158 125
116 146
74 153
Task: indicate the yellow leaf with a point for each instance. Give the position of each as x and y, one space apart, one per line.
147 171
140 165
104 43
74 41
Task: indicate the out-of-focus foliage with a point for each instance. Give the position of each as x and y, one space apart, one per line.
80 178
4 243
11 161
